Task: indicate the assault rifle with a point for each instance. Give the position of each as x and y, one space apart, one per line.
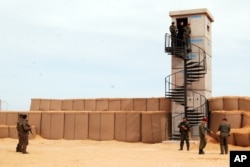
31 131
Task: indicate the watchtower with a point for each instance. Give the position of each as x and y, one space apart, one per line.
190 83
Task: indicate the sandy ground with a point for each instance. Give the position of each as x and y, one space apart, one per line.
84 153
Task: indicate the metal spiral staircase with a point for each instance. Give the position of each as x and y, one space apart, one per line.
180 90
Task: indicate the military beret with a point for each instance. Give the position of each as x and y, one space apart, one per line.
204 119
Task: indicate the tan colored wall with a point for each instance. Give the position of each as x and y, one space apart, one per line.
8 121
44 105
244 103
242 137
230 103
101 125
45 125
35 120
35 104
67 105
122 119
234 118
4 131
245 119
11 118
215 103
3 117
114 104
153 126
69 125
90 105
81 125
237 111
55 105
78 104
127 104
102 104
127 126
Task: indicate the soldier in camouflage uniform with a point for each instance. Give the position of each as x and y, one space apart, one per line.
18 127
224 129
173 31
24 134
186 35
202 133
184 130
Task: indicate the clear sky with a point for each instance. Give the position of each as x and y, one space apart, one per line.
109 48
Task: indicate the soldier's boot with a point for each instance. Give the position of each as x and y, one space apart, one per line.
18 148
221 149
187 143
181 145
226 149
201 151
24 150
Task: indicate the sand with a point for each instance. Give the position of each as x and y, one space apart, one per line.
85 153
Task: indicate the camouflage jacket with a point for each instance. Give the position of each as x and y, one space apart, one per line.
184 127
187 31
173 29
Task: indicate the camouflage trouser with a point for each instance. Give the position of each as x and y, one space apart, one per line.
24 141
18 147
224 143
187 41
203 143
184 137
173 40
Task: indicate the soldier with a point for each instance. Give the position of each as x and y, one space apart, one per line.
202 133
184 130
18 127
173 31
24 134
224 129
186 35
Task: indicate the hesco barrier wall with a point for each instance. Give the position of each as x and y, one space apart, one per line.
102 104
128 120
237 111
125 119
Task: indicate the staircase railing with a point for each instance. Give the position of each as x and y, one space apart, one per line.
196 68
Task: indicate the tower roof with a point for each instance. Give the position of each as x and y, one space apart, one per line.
192 12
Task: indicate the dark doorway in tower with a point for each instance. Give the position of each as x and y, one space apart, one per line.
181 30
